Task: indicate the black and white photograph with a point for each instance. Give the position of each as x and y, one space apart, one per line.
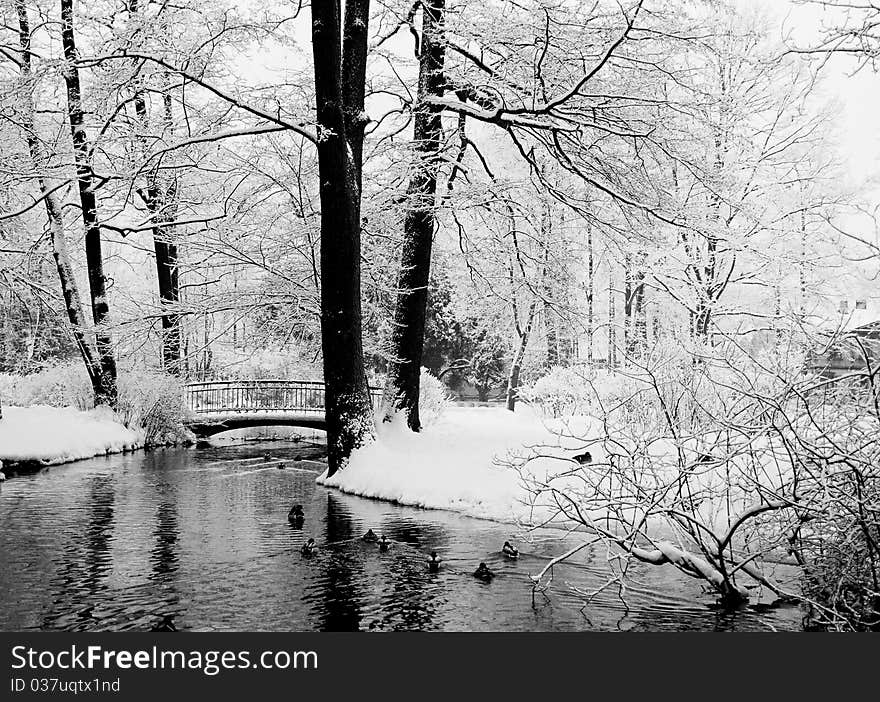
438 316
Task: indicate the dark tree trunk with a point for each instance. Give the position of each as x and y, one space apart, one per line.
552 336
348 407
161 201
408 332
354 79
635 325
105 383
80 325
169 295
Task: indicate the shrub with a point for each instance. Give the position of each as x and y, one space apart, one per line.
560 392
61 385
434 398
154 402
836 449
148 400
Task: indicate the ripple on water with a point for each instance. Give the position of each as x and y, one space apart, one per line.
201 536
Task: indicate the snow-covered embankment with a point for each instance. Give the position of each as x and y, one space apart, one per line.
52 435
460 463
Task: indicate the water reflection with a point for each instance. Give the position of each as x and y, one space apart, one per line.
340 593
163 556
200 538
86 560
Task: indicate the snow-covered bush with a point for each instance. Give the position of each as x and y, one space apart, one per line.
154 402
148 400
580 390
562 391
835 449
434 398
746 459
61 385
668 389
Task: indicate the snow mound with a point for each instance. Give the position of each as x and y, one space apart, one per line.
460 463
53 435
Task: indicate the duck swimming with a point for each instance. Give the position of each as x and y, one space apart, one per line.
509 550
280 465
370 537
483 573
309 548
583 458
433 562
295 516
384 543
167 624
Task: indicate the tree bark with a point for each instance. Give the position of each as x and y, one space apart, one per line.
591 286
550 332
354 79
516 365
160 200
169 294
347 400
612 330
80 326
105 385
408 331
635 327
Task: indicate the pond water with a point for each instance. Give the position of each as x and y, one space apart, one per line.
201 536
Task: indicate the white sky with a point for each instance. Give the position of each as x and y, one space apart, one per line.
857 93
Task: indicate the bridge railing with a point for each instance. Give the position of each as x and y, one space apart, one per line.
225 396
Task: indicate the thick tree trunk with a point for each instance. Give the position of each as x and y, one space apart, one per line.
354 78
347 399
105 385
408 332
80 326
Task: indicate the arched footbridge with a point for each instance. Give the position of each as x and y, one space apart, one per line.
221 405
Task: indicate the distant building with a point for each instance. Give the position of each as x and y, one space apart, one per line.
851 348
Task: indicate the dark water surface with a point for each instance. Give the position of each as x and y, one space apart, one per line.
201 535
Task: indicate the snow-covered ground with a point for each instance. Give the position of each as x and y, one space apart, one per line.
463 463
458 463
54 435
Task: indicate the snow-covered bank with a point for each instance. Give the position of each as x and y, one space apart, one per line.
52 435
458 463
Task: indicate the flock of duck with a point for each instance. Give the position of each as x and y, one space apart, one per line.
296 517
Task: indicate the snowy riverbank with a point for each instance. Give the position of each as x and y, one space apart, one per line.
461 463
52 435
